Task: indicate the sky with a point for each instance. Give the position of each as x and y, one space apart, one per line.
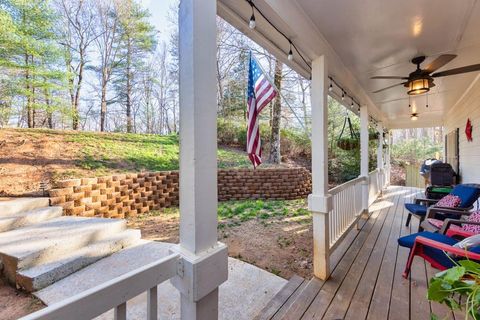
159 10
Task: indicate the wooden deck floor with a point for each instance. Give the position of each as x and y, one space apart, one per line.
366 280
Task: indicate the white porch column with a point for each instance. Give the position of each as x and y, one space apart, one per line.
319 202
204 264
380 163
364 155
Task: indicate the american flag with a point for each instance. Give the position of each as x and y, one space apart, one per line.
260 93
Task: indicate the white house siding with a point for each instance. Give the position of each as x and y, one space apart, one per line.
468 107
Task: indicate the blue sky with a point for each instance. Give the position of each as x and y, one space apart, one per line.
159 10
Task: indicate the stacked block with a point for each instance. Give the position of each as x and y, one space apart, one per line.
127 195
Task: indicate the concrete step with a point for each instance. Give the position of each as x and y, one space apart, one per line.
29 217
49 241
43 275
13 206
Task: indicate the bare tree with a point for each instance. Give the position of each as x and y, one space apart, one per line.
77 33
108 48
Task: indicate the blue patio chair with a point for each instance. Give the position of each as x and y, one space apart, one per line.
467 193
437 249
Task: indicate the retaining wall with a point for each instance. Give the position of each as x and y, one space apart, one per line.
125 195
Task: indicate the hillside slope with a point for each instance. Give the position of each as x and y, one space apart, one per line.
31 156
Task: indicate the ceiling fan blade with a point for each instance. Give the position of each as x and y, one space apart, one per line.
471 68
440 62
389 77
389 87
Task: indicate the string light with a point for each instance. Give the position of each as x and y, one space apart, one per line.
427 100
252 22
330 88
343 95
290 53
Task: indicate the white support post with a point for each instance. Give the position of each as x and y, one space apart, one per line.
364 156
320 202
380 163
204 264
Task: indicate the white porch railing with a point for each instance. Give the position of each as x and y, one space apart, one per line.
346 209
374 185
114 294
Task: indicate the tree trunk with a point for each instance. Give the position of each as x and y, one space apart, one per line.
103 108
276 117
75 115
129 88
30 123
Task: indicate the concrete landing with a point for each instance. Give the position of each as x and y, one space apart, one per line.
246 292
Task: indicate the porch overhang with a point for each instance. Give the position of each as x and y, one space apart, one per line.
361 39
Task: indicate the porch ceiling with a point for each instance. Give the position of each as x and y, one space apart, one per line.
376 37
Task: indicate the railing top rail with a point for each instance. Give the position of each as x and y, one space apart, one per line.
106 296
374 171
345 185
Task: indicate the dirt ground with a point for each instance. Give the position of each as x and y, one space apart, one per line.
28 159
15 304
281 245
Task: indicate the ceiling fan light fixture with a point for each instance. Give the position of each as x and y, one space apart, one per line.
418 86
414 116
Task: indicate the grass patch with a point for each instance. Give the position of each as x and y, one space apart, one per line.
127 151
233 213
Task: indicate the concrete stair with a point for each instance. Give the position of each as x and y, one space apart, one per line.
13 206
38 246
43 275
29 217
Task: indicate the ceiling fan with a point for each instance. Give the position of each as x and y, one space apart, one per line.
421 80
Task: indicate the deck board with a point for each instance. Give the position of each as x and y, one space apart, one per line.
366 280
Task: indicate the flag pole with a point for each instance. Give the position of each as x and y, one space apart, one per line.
280 93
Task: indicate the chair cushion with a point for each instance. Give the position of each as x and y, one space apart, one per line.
437 223
449 201
468 194
417 209
473 217
470 242
408 241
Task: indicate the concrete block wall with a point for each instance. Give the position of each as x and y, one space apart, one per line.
126 195
279 184
116 196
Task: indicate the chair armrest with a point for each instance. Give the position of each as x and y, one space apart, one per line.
422 241
432 211
458 234
448 222
427 200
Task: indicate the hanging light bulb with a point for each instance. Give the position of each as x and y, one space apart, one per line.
343 95
414 116
330 88
290 53
252 22
352 103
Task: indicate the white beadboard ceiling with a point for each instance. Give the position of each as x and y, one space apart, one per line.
379 37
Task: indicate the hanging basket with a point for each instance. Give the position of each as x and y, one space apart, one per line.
373 135
348 144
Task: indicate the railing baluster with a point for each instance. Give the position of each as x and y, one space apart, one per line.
121 312
152 304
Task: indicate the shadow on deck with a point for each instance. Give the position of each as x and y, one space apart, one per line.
366 280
